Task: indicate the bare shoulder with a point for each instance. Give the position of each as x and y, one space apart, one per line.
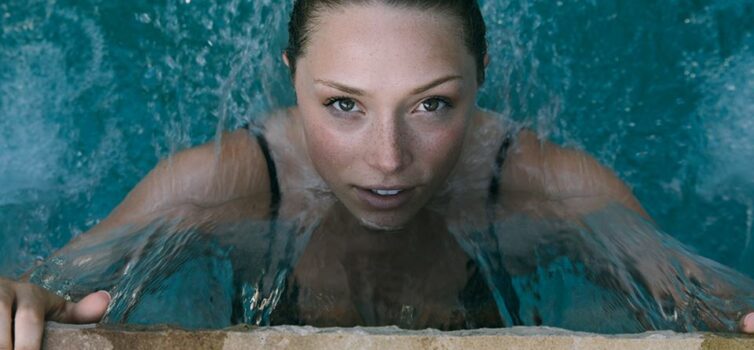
218 171
219 179
538 172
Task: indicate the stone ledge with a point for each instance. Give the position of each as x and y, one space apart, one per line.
58 337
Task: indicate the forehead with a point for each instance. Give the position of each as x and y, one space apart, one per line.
379 42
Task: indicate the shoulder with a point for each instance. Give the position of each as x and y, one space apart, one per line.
220 181
210 177
539 171
219 170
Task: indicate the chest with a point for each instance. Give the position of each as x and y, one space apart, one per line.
347 276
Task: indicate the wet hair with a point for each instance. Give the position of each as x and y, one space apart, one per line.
466 11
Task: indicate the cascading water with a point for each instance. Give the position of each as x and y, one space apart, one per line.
93 93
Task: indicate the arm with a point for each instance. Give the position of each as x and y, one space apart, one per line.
200 187
189 193
544 181
539 175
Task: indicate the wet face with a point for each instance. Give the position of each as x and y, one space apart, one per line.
385 97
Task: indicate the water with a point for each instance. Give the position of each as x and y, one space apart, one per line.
93 93
166 272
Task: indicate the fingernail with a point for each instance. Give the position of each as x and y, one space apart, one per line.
106 293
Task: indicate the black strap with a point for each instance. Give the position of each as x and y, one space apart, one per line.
238 314
510 298
271 170
499 160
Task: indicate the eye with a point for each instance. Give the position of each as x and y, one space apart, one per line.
433 104
343 104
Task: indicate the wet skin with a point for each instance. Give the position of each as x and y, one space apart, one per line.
417 278
386 101
390 115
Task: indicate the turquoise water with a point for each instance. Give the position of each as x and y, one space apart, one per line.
94 93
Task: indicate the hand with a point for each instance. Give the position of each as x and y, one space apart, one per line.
747 323
34 305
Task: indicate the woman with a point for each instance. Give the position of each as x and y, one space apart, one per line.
386 149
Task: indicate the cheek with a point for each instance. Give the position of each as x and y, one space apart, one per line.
443 148
330 152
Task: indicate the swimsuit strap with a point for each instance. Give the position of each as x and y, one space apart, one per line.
238 315
499 160
275 196
509 297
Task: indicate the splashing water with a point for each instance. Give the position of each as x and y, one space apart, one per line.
168 273
727 111
611 265
92 95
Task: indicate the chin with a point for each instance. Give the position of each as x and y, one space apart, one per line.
380 226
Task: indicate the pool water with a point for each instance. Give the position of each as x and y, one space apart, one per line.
94 93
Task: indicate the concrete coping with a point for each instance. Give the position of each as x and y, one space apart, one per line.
58 336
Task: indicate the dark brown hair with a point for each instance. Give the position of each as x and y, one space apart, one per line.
466 11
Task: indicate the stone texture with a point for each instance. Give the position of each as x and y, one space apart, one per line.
728 342
288 337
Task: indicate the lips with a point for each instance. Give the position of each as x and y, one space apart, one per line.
384 198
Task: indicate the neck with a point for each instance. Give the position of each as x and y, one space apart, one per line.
351 229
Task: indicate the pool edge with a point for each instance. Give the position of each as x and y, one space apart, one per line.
58 337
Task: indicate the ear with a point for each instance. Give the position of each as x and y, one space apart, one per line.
486 60
285 59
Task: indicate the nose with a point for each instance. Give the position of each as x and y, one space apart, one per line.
388 148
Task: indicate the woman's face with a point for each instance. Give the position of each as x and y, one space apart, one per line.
385 96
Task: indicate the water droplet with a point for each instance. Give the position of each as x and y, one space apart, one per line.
144 18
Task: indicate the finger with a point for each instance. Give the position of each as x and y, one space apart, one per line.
87 310
6 311
92 307
29 320
747 324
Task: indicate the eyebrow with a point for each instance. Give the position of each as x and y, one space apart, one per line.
359 92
